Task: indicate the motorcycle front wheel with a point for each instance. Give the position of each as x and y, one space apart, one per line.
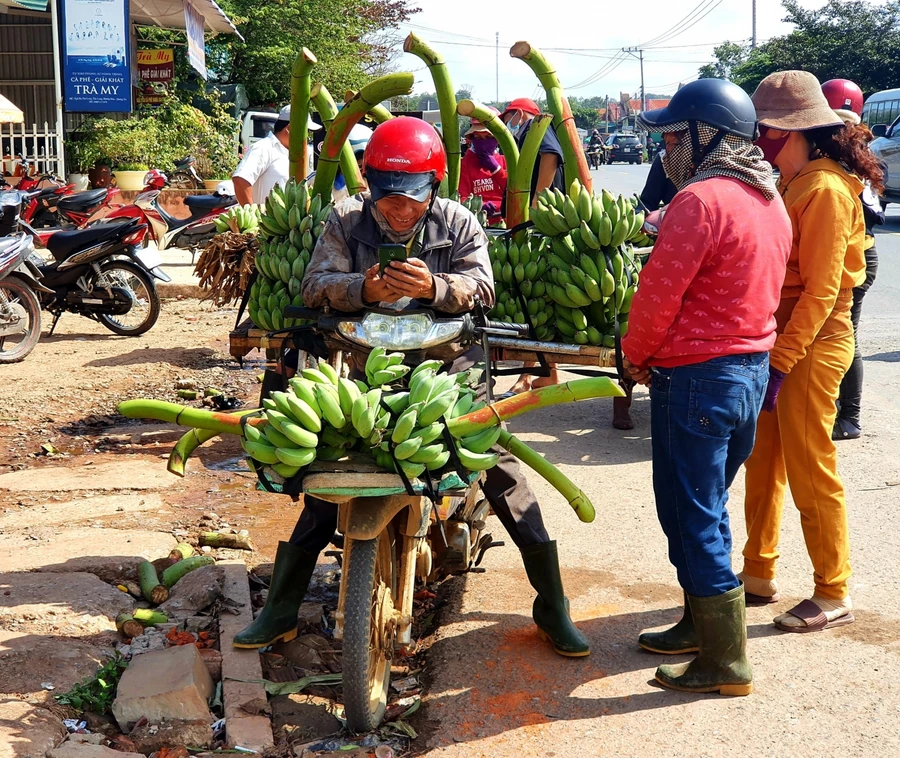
20 312
144 310
370 576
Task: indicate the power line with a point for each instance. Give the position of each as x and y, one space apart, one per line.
700 12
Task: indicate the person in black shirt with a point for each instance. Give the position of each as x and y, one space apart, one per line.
659 189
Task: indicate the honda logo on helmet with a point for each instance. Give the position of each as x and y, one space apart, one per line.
398 160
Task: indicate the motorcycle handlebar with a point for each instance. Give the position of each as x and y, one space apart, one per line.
299 311
507 326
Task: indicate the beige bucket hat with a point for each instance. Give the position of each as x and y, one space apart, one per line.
792 101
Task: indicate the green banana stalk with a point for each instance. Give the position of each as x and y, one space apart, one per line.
519 198
446 96
327 108
498 130
300 84
580 502
383 88
576 165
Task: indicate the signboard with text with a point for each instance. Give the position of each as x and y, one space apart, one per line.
156 70
96 56
196 39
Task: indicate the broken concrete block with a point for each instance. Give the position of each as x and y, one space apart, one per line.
196 591
172 684
213 660
82 750
148 738
86 739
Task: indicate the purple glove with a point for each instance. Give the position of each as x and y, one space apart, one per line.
491 208
776 379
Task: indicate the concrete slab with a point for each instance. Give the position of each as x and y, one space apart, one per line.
130 473
111 554
241 729
27 730
72 605
73 511
29 660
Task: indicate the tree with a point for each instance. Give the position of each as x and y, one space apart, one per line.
352 40
729 56
847 39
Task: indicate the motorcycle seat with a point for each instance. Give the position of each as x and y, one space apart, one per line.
82 200
185 162
64 244
209 202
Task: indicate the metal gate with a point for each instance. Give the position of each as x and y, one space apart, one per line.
40 145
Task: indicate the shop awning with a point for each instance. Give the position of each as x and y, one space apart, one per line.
168 14
9 113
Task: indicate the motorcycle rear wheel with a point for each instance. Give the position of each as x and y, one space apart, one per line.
370 576
17 293
144 311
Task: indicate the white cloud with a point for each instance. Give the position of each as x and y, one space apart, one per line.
464 34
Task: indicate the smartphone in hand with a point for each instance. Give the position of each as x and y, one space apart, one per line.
388 253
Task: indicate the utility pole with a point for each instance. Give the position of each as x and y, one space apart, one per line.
753 38
640 56
497 61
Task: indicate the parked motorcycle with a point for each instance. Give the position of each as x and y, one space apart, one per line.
102 273
393 537
167 231
185 175
20 309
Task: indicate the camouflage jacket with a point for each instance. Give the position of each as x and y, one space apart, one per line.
454 247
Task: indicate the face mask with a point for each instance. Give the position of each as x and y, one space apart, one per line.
514 128
484 146
771 147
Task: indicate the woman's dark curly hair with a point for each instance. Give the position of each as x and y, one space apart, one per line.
849 146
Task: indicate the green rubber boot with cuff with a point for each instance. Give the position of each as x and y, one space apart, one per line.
277 621
678 639
721 664
551 608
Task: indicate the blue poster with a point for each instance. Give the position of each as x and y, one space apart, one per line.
194 26
96 53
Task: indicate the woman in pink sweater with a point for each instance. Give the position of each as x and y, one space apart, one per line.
701 325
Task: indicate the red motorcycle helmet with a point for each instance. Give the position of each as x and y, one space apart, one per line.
845 98
155 179
405 156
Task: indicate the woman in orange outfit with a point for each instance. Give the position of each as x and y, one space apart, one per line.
823 165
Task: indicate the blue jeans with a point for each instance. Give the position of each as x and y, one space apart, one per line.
703 425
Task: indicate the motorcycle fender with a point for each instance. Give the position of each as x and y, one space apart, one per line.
158 273
23 272
365 518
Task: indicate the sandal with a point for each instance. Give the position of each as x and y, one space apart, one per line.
814 618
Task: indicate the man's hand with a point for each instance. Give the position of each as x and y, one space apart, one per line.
639 375
376 289
410 278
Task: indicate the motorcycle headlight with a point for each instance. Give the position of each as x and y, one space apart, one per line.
408 331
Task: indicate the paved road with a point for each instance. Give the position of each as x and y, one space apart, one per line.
497 691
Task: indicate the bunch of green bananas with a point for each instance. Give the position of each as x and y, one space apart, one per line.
476 205
523 268
324 416
245 219
291 226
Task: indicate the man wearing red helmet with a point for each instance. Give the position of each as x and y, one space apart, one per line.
448 270
846 99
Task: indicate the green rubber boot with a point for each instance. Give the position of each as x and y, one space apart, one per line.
678 639
721 665
277 621
551 608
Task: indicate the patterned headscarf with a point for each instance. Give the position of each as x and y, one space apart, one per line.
734 157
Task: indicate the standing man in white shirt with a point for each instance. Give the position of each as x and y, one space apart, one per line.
267 162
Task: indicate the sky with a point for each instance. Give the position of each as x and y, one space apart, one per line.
592 33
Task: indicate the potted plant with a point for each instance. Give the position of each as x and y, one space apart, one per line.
130 176
221 160
82 154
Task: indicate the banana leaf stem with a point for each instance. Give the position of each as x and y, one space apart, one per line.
383 88
576 166
504 410
172 413
443 87
377 113
327 108
298 149
580 502
189 442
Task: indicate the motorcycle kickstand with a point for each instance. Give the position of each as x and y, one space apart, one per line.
56 317
484 544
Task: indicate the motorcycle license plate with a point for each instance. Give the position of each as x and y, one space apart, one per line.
149 258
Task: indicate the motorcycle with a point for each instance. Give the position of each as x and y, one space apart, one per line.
101 273
185 175
596 155
394 536
20 308
165 230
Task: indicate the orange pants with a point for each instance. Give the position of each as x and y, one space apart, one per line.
794 446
